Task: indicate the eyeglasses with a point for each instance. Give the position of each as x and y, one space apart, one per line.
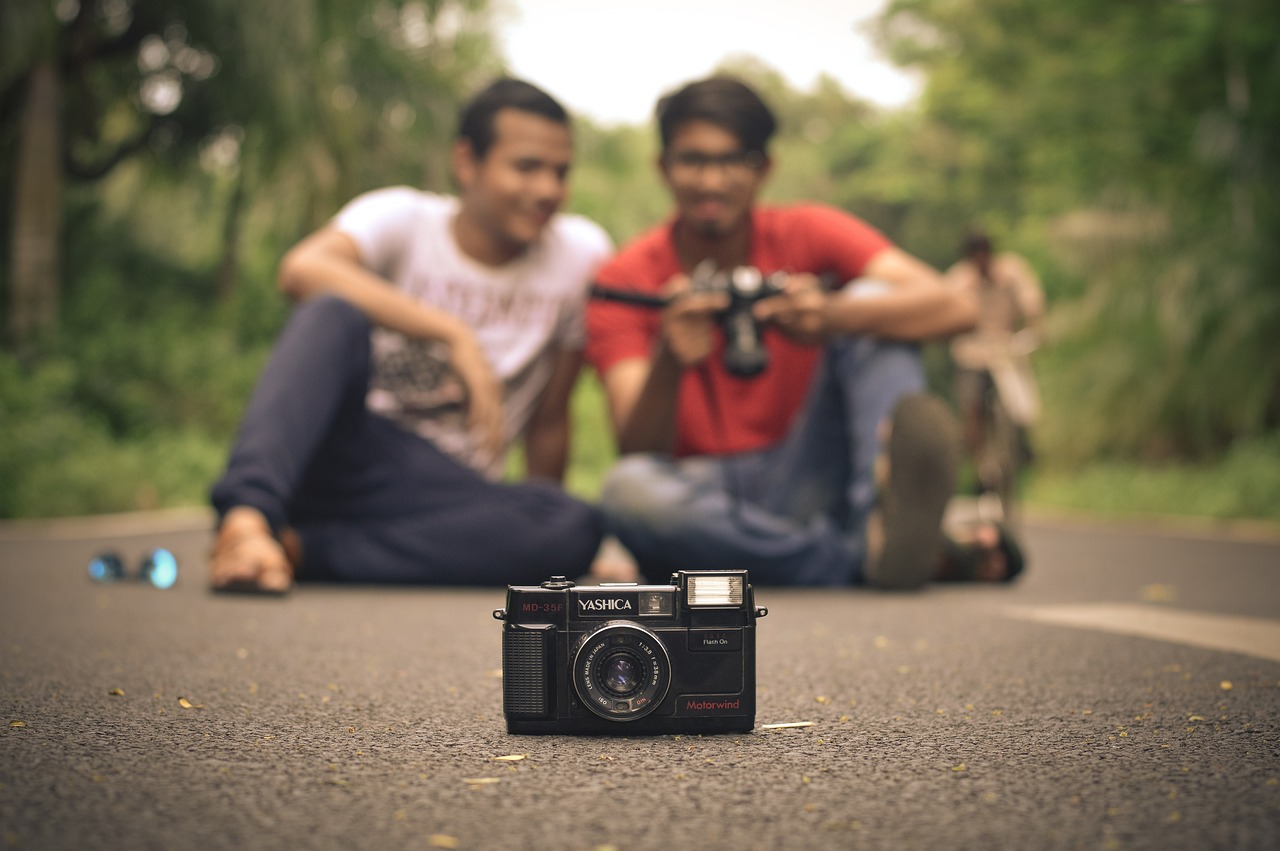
735 164
160 568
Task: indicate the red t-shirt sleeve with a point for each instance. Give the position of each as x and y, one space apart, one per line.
818 239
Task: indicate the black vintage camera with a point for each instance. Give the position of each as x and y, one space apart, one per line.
631 659
744 353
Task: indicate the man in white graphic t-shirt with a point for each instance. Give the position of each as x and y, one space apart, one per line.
432 332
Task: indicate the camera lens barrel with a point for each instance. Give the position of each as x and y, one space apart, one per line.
621 671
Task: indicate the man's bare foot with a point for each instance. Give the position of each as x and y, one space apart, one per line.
247 557
614 564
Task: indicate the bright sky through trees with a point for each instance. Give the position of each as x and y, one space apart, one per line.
611 60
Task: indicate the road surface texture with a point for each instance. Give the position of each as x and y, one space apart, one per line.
1124 694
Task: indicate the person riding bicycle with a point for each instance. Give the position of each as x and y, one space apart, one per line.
993 357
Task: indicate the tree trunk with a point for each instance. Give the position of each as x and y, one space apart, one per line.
37 215
229 267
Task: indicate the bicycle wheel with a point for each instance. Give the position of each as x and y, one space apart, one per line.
997 461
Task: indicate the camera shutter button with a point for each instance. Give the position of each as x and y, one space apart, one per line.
557 583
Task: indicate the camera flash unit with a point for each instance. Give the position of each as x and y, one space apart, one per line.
711 590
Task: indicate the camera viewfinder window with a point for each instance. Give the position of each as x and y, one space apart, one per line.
656 604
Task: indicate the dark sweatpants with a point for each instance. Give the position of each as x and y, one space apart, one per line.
376 503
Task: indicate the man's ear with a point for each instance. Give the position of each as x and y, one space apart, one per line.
767 168
661 165
465 163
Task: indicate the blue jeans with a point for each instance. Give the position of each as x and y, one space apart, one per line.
371 501
792 514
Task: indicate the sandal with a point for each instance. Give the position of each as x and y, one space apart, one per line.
247 558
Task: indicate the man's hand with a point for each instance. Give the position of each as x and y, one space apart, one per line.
689 321
799 311
484 391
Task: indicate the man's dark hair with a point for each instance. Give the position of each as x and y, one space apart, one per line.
723 101
476 122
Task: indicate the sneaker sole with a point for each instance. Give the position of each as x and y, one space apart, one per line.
924 453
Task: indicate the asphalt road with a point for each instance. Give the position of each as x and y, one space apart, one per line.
1044 715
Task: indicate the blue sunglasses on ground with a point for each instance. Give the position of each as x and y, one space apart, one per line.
160 568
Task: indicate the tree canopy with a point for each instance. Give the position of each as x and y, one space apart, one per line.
1134 149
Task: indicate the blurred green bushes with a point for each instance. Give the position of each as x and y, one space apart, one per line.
132 403
1245 483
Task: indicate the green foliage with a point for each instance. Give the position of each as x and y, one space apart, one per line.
125 413
1244 484
286 110
615 180
592 449
1127 148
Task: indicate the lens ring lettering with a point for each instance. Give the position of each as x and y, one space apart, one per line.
643 649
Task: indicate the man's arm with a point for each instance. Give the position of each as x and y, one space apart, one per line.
328 262
642 392
546 437
917 305
1027 291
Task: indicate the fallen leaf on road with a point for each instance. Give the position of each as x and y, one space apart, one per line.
515 757
1158 593
117 692
185 704
786 726
16 724
442 840
480 781
1226 685
960 767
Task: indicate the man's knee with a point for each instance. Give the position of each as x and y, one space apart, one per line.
858 355
334 317
638 486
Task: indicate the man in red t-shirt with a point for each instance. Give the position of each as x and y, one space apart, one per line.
774 472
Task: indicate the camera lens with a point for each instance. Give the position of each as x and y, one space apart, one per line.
621 671
621 675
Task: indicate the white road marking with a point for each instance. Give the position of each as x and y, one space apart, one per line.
1251 636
